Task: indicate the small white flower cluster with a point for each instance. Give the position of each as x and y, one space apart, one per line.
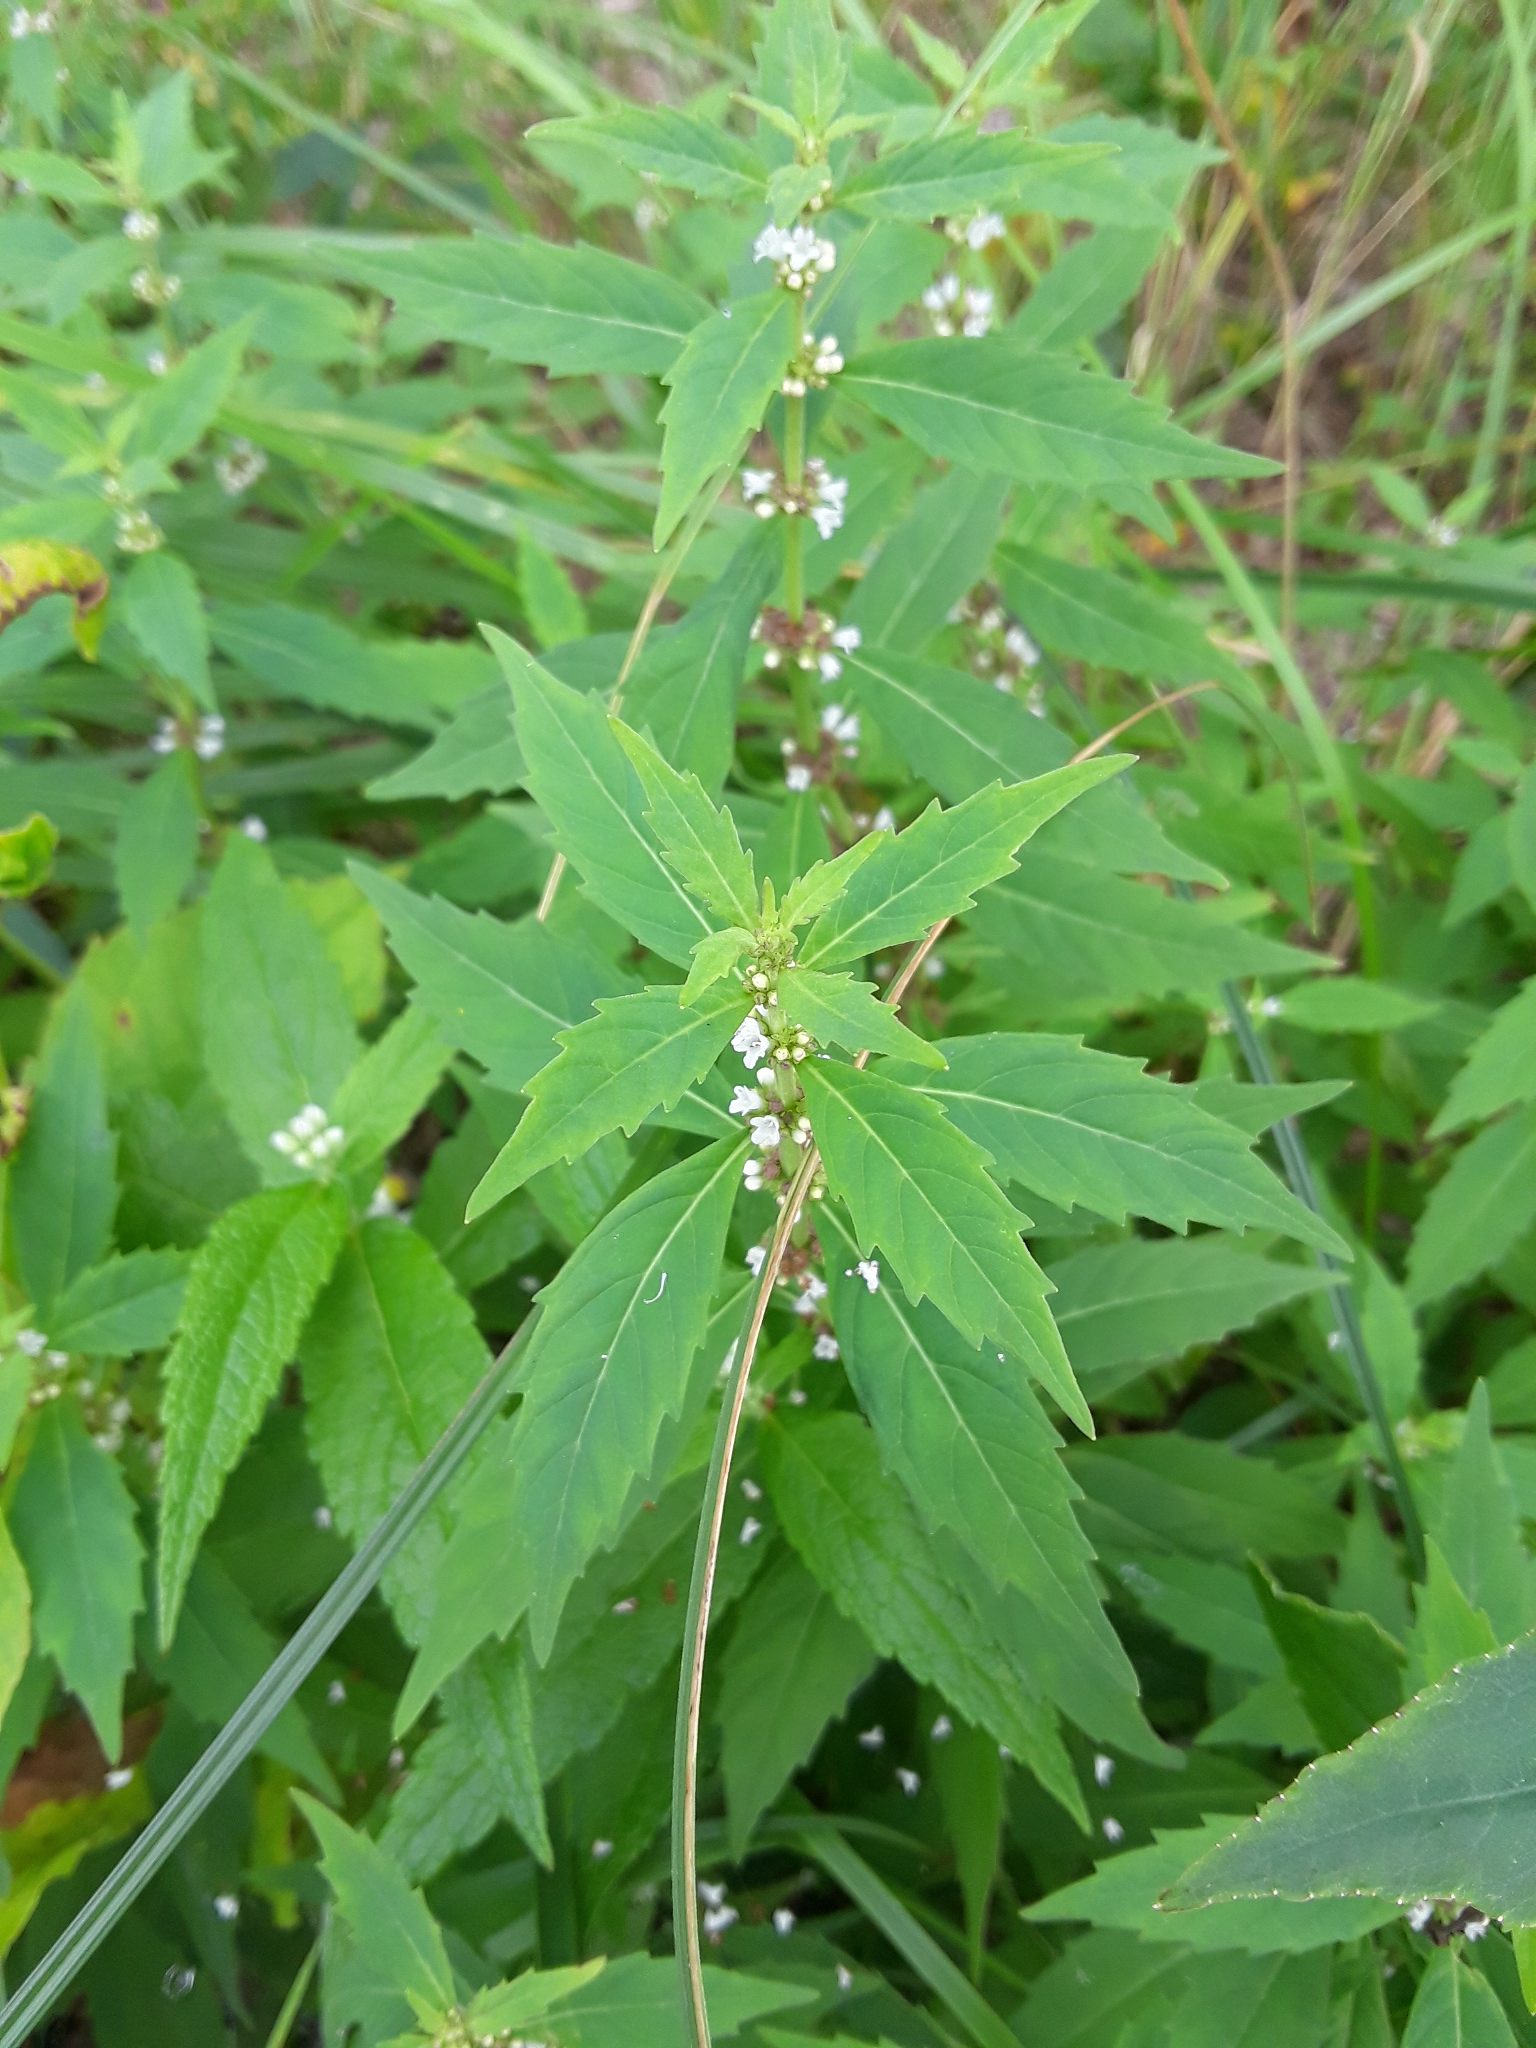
240 468
137 533
1440 533
33 1344
254 828
153 287
649 213
157 362
815 641
140 225
868 1270
799 255
842 727
24 24
823 498
308 1138
207 739
979 232
811 369
718 1916
1007 652
949 301
109 1435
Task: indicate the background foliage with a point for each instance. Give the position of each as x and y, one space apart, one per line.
292 1152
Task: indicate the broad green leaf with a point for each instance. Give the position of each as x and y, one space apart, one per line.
698 839
389 1356
378 1100
812 892
956 173
15 1618
74 1526
171 417
490 1695
935 867
130 1303
476 750
861 1540
63 1178
163 610
959 734
841 1011
26 855
1346 1667
931 559
277 1027
1077 1126
1166 1491
673 147
1086 287
1124 1891
1349 1002
1124 1308
969 1441
1479 1209
311 658
1456 2007
632 2002
572 310
637 1054
1090 615
1074 934
497 991
713 959
248 1295
593 798
157 155
783 1678
53 176
1521 829
1448 1630
920 1193
1430 1805
800 63
718 393
1041 419
156 852
386 1917
1500 1069
1478 1527
610 1360
1254 1108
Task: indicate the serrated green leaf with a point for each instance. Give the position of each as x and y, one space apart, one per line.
931 559
920 1193
277 1026
388 1919
157 839
1164 1490
1346 1668
1349 1002
630 2003
575 311
1521 829
1041 419
53 176
673 147
718 392
1078 1126
1478 1526
841 1011
636 1055
249 1293
1456 2007
1500 1069
1430 1805
476 750
781 1681
1087 286
379 1099
935 868
800 64
389 1356
1485 1203
75 1530
63 1179
586 787
128 1304
171 417
713 959
163 610
957 173
699 839
861 1540
1090 615
824 881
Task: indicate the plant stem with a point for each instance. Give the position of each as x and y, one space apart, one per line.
802 690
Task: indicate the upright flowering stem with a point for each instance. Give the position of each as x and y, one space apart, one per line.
801 687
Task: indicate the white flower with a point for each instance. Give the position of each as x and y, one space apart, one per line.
382 1203
336 1693
240 468
1420 1915
884 820
116 1780
984 228
842 725
139 225
322 1517
757 483
844 1977
1113 1832
829 499
157 362
1441 534
718 1918
1474 1925
766 1132
226 1906
307 1139
32 1343
872 1738
771 246
1103 1769
750 1039
944 293
942 1729
909 1781
868 1271
826 1347
137 533
208 743
711 1894
756 1258
1018 643
746 1102
814 1287
601 1850
766 1077
752 1175
847 638
751 1529
254 828
978 312
797 777
826 358
783 1920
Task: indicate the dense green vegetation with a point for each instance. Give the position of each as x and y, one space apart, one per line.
768 1025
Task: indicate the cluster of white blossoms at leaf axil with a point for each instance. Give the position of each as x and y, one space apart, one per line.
240 468
814 641
24 24
206 738
137 533
140 225
979 232
820 497
799 255
34 1345
959 309
153 287
309 1138
811 368
1001 650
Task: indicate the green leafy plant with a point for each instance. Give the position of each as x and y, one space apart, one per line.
766 1132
